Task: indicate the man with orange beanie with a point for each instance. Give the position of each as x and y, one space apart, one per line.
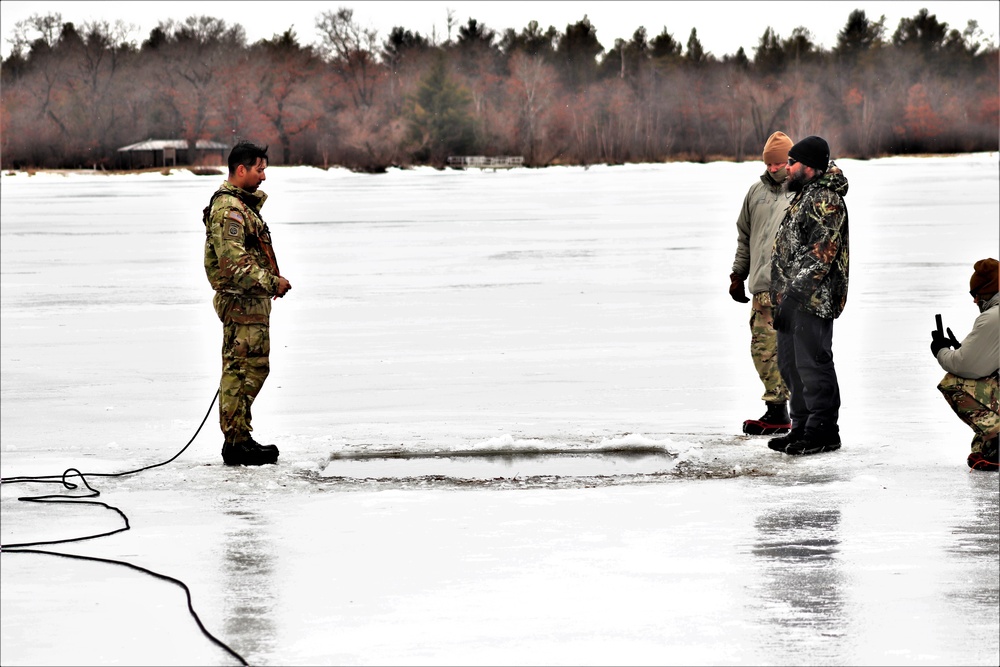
763 208
970 385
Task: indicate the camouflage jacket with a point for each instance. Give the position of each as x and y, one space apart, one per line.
811 249
239 258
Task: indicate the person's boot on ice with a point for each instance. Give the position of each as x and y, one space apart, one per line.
775 421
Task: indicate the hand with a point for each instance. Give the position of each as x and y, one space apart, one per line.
783 315
940 342
954 341
736 289
283 287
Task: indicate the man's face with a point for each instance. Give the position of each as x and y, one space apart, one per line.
250 179
777 170
797 176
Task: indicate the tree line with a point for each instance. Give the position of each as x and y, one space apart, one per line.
71 96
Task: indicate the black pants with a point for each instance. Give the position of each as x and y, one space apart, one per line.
805 360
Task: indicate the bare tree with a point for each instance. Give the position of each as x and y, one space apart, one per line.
532 85
71 94
737 110
194 68
38 30
352 52
100 56
285 73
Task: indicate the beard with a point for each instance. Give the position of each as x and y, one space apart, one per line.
795 182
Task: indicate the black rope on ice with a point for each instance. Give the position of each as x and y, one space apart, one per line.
64 479
187 591
56 479
68 500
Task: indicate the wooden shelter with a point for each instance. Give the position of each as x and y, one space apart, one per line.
171 153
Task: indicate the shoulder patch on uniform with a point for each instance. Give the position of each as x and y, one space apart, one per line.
234 224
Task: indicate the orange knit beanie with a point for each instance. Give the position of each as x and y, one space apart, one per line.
776 148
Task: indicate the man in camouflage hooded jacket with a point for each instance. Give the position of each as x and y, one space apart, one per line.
242 269
809 270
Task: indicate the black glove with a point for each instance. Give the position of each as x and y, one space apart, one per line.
783 315
939 341
736 289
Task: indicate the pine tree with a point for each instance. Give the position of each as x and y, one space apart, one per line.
438 116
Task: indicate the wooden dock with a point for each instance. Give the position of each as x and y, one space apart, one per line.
484 162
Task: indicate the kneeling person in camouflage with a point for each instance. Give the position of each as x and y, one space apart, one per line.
243 271
973 365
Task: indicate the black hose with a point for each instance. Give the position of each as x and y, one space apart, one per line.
64 479
50 479
187 591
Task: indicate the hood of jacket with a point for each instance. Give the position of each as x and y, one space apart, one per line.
992 303
831 179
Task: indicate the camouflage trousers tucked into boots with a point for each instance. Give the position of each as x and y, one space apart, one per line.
246 346
977 403
764 349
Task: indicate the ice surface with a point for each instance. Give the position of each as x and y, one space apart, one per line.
442 325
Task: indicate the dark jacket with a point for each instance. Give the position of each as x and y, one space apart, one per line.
811 249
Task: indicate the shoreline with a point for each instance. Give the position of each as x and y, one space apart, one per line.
220 170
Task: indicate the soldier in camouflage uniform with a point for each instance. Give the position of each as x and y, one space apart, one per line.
243 271
763 208
973 365
809 271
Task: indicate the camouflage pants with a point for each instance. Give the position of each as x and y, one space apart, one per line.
764 349
976 402
246 345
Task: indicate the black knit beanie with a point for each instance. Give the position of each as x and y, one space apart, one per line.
812 152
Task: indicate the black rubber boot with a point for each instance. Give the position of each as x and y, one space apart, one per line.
246 454
988 459
977 461
774 421
264 448
781 442
814 442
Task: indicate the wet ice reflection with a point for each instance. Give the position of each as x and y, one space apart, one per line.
248 571
802 583
975 538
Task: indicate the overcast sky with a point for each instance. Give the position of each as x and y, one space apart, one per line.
723 26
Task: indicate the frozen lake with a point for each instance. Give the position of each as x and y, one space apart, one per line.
509 408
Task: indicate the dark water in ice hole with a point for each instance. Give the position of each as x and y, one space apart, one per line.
506 466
